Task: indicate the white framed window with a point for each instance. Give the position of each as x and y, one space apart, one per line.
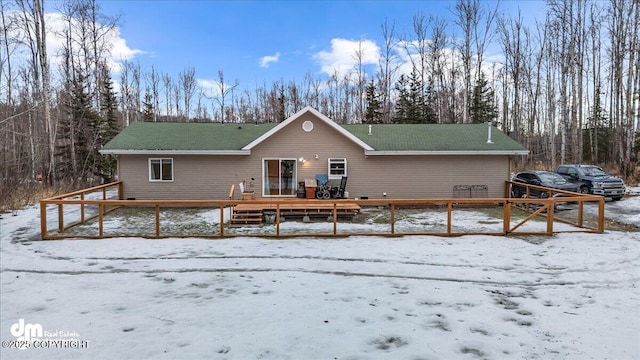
160 169
337 168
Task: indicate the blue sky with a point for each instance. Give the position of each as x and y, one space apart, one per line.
264 41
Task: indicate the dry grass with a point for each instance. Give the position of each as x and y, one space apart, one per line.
17 196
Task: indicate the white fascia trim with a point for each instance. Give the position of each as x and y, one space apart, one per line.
175 152
320 116
465 152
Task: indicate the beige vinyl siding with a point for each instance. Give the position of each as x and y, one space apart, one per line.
196 177
202 177
425 176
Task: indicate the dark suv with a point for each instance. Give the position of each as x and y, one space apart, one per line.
593 180
540 178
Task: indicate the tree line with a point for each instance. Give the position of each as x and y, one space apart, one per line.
566 87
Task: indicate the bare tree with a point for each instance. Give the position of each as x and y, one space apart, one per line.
224 89
514 39
360 81
467 13
436 63
35 27
152 80
188 84
167 82
5 56
387 68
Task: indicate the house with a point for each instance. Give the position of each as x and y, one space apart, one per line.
190 161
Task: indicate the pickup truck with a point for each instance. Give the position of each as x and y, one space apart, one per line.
592 179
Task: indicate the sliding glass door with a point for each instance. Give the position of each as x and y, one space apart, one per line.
279 177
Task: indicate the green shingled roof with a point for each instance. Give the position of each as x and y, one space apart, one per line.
186 136
433 137
384 137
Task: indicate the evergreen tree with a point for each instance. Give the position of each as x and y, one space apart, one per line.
147 107
109 109
106 164
597 136
412 106
373 114
79 133
281 105
482 107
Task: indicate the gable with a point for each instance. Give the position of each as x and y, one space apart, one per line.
317 115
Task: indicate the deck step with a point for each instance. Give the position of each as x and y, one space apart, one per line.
246 217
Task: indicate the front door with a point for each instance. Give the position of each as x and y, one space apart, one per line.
279 177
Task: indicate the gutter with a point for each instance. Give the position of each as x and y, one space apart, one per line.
450 152
174 152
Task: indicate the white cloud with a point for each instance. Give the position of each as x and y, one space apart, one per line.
342 58
265 61
56 26
209 88
119 48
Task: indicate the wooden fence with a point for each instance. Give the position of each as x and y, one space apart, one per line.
534 207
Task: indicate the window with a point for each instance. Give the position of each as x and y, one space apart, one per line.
337 168
160 169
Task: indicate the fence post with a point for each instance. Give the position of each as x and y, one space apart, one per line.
221 220
506 212
120 191
43 221
157 220
449 211
580 210
601 214
278 220
392 218
335 219
60 217
100 220
550 215
82 208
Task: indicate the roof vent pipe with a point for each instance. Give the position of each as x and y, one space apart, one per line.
489 141
369 129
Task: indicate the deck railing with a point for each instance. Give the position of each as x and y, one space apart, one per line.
102 204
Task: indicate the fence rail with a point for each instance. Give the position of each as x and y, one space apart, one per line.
536 207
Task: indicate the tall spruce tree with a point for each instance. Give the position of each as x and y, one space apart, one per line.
597 136
148 111
373 114
106 164
482 107
282 115
79 133
411 106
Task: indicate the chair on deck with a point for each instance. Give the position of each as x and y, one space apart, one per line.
339 192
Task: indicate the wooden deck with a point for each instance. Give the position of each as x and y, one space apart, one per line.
253 213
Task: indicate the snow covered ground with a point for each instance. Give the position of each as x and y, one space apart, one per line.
570 296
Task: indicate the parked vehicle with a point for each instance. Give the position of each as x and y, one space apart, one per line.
593 180
540 178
